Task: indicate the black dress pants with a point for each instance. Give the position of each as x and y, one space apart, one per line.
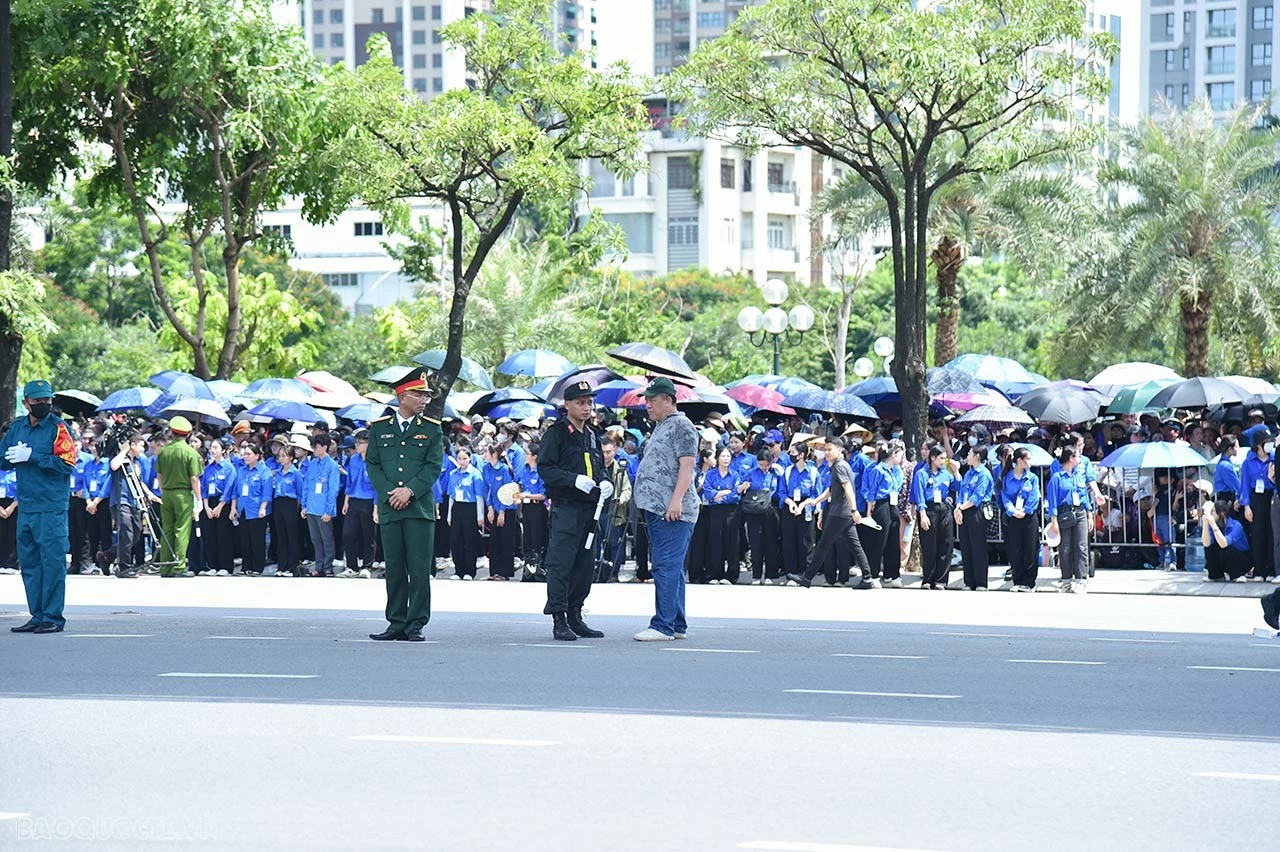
502 544
796 535
1020 537
833 530
218 538
464 539
937 544
287 533
1260 534
357 532
569 563
973 548
881 545
722 542
766 550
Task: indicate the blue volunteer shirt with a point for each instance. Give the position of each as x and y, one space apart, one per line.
1026 489
496 476
253 490
978 486
1253 478
1066 490
97 479
359 486
771 482
1234 533
530 481
77 477
714 481
218 481
931 487
288 483
8 484
1226 476
320 486
742 463
801 483
466 486
880 482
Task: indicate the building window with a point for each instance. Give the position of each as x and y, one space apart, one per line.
1222 60
679 174
682 231
662 26
774 177
419 84
335 40
748 230
710 20
1260 54
729 231
376 15
1222 95
746 175
662 49
1263 17
436 38
418 13
342 279
368 229
1171 60
1259 90
777 234
661 5
1186 94
437 84
317 17
436 12
285 231
317 41
637 228
437 61
1168 25
1168 93
602 180
419 61
419 36
1222 23
727 174
335 16
1186 58
1188 20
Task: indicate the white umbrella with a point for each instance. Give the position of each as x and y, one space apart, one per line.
204 410
1119 376
1261 387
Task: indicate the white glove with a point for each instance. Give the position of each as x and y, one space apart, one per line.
584 483
606 489
17 454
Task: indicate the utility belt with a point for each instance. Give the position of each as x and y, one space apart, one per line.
983 509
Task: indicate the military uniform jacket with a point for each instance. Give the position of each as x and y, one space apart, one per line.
411 458
565 453
42 479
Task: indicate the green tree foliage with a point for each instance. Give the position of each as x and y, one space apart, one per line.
518 133
22 316
910 97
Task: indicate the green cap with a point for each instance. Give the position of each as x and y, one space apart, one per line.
659 386
38 389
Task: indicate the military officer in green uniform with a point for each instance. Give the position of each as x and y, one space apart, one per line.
406 451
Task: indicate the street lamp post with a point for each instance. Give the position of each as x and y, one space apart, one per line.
864 367
775 323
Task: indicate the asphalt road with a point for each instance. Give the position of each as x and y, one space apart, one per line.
283 729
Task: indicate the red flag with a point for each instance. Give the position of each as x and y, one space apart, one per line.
63 446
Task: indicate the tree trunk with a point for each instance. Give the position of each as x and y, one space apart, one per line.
1195 335
840 343
10 341
948 258
231 340
910 317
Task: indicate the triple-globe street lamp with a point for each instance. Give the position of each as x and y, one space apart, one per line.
775 323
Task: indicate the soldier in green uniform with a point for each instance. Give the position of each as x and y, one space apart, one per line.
406 451
179 468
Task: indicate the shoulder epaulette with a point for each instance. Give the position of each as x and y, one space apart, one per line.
380 420
432 420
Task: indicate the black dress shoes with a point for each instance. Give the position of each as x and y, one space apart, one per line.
48 627
1270 610
579 627
414 635
29 627
387 635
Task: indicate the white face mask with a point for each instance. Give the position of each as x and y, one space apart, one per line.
1270 447
973 440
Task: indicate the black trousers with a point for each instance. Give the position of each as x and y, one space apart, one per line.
533 526
502 544
1260 534
255 554
78 533
570 564
1020 538
696 559
836 529
339 527
883 552
640 547
464 539
720 556
128 531
936 545
796 536
766 550
443 543
99 533
973 548
8 537
287 533
357 533
218 538
1226 562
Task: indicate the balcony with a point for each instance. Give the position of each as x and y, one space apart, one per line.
1221 31
787 189
1224 66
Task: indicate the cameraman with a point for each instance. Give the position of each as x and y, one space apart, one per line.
129 495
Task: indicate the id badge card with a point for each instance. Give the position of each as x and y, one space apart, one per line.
1259 486
244 490
795 495
457 496
1075 498
4 492
937 495
893 498
319 487
1017 504
93 488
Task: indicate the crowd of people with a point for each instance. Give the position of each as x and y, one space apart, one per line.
782 500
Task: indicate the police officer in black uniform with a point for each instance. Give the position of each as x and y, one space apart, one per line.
571 464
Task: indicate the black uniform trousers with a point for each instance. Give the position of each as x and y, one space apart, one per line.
444 540
797 540
762 535
1020 538
696 558
883 551
502 544
1260 534
255 553
640 546
973 548
936 545
219 539
721 554
1225 562
464 539
838 529
357 533
128 530
8 537
98 526
570 565
78 533
533 523
287 533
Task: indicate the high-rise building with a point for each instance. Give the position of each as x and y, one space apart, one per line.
1219 49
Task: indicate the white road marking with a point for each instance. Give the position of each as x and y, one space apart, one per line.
1060 662
957 633
1264 644
883 656
237 675
108 635
870 694
794 846
263 618
710 651
1231 669
4 815
254 638
1134 641
391 738
382 642
544 645
1237 776
826 629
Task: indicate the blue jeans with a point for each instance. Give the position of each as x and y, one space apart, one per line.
668 545
1164 529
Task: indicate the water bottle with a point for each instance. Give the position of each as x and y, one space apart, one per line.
808 512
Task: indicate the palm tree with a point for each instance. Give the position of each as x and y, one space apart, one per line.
1193 227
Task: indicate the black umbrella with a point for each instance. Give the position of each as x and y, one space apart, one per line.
77 403
653 358
500 396
1063 402
943 380
595 374
1200 392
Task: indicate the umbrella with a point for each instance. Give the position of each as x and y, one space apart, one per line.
501 395
1131 373
635 398
707 401
1155 454
469 371
653 358
279 409
536 363
1261 389
129 399
182 385
759 397
1200 392
940 380
608 394
1229 413
225 389
875 391
1065 405
970 401
281 390
363 412
522 408
996 416
1038 456
992 370
542 388
1137 398
330 391
76 402
204 410
595 374
830 402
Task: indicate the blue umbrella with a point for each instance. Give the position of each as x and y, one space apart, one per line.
543 387
363 412
501 395
279 409
469 372
182 385
1155 454
535 362
992 370
129 399
830 402
787 385
520 409
609 393
875 391
282 390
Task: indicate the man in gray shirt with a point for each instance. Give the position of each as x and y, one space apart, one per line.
662 492
839 522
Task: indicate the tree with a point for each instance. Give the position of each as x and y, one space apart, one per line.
208 101
1192 229
910 99
518 133
21 315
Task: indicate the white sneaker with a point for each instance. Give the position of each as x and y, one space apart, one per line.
980 589
1242 579
1081 587
188 573
8 571
468 577
284 574
1275 581
455 577
1064 585
755 582
347 573
224 573
895 583
681 636
1020 589
651 635
365 574
91 571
